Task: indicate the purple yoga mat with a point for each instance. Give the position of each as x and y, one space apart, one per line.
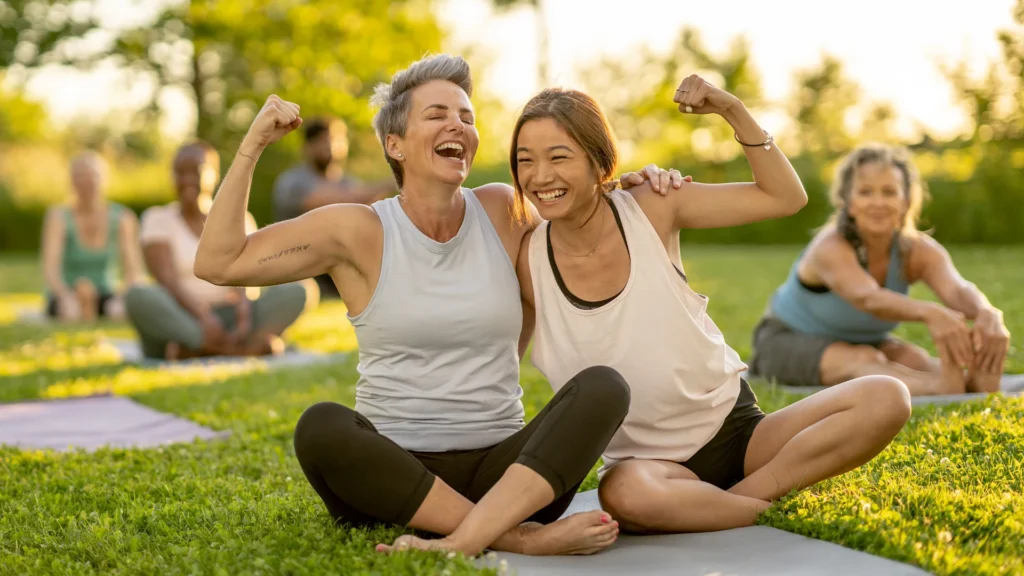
93 422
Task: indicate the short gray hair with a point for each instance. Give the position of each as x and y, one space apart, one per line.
395 99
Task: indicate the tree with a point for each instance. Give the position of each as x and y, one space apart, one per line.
227 56
642 112
823 97
20 119
38 32
543 75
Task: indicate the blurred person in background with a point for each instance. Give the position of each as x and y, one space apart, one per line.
833 317
183 316
81 244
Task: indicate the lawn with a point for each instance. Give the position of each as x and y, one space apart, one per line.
946 496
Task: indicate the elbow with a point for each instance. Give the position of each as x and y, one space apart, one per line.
209 271
798 199
865 302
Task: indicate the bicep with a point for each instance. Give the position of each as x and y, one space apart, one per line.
837 267
937 270
295 249
697 205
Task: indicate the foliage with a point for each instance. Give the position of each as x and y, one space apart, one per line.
38 32
228 56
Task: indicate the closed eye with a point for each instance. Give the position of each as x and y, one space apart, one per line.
559 157
521 160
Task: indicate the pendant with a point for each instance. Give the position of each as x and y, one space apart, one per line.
767 146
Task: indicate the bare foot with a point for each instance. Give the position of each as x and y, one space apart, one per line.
583 533
579 534
408 541
172 351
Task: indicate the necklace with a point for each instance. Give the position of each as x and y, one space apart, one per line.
600 233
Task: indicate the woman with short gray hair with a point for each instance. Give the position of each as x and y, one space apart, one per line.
437 439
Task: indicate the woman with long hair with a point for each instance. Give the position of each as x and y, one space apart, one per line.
833 317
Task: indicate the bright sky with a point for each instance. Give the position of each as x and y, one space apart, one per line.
890 47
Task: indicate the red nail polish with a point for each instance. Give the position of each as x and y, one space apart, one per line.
604 519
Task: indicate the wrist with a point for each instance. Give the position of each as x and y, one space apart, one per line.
929 311
249 150
989 313
735 113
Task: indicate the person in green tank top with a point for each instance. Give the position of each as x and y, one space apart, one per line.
82 245
829 321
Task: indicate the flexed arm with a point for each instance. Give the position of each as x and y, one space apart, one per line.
300 248
776 190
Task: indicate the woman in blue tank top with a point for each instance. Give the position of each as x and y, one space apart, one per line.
831 320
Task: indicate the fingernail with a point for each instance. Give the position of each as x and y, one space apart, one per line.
604 519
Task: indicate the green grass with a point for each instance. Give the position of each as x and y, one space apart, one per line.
946 496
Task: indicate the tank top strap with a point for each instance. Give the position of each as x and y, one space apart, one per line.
641 232
113 224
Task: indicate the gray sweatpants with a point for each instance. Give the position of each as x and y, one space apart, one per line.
159 319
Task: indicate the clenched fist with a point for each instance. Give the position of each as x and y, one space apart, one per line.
696 95
277 118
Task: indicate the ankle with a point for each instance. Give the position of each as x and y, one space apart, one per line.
526 538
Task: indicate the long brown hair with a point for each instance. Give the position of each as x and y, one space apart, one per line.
581 117
842 187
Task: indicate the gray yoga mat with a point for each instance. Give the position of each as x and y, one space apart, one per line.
757 550
93 422
1011 385
131 353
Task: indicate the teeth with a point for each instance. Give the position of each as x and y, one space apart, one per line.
449 145
551 194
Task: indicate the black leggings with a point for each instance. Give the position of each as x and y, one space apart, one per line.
364 478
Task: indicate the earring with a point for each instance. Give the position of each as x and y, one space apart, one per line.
399 154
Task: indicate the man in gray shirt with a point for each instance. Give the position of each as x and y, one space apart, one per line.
321 180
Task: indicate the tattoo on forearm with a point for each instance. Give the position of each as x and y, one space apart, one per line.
262 261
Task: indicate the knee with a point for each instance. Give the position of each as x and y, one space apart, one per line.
134 301
322 426
85 290
886 401
604 387
626 504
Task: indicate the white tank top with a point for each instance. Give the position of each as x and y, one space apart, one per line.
683 378
439 340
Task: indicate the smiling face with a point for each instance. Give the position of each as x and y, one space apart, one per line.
877 200
195 176
440 139
553 171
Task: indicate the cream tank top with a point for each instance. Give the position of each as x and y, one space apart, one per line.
683 378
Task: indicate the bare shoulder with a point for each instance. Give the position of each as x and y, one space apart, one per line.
826 246
495 192
659 209
496 197
923 253
55 213
499 201
343 220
